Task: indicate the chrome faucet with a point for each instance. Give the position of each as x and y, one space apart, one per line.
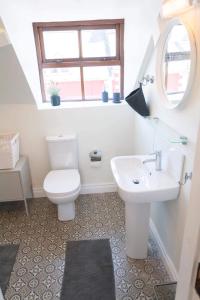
157 159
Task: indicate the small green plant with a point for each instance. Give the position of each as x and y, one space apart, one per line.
53 90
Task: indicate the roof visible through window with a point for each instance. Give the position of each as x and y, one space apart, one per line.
80 59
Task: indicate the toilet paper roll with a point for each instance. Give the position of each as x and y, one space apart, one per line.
95 155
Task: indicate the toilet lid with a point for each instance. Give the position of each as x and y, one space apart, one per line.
58 182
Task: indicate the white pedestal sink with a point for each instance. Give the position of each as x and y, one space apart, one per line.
139 185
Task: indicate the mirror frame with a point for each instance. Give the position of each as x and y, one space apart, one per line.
160 58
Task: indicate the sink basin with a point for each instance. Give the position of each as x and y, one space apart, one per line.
138 182
139 185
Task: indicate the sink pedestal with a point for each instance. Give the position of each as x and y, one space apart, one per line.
137 216
140 185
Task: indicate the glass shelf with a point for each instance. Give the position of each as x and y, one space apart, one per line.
169 134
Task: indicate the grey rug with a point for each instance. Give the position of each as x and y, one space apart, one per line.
88 271
7 259
165 291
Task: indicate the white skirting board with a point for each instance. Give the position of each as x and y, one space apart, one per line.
99 188
165 257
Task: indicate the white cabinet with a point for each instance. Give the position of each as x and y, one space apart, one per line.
15 184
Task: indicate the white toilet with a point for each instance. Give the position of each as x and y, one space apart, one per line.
62 184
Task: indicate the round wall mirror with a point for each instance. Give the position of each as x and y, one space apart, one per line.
176 65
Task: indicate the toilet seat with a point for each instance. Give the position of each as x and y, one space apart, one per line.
62 183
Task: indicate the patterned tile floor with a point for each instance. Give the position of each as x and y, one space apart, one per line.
39 266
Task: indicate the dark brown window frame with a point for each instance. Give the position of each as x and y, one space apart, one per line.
81 62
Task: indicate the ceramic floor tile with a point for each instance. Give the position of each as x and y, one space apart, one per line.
39 266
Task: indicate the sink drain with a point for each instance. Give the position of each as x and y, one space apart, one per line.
136 181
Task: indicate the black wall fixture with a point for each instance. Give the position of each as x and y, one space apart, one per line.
137 101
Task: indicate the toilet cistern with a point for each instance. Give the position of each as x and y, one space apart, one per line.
157 160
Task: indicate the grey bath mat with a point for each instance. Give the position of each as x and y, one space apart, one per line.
7 259
165 291
88 271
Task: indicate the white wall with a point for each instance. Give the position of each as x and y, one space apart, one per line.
140 17
106 128
109 127
169 218
190 256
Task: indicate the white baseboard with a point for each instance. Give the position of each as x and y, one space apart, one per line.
97 188
166 259
38 192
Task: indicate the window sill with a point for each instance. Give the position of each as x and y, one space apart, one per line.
81 104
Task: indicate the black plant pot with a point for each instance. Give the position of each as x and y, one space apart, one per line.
55 100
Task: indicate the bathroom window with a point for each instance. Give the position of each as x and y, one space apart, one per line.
80 59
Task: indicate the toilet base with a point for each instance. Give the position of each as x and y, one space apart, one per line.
66 211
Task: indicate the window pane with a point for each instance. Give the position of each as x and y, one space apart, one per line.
61 44
99 43
177 64
176 79
67 80
98 78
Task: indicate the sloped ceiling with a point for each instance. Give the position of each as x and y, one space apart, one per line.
14 88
